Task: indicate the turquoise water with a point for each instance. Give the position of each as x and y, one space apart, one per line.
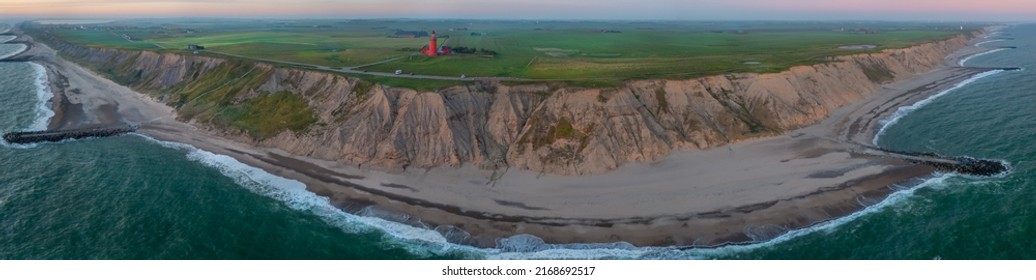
131 197
954 217
6 48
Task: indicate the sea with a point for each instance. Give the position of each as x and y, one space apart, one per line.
132 197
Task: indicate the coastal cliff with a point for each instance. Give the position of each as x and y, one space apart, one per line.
542 127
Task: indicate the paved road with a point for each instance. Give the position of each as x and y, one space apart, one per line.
376 63
354 70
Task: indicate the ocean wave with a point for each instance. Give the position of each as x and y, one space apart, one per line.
43 112
423 241
905 110
418 240
896 198
293 194
990 41
965 60
21 48
43 96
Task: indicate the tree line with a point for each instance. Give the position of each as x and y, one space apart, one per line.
478 51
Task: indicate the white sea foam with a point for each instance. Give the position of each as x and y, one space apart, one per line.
21 48
896 198
569 252
990 41
418 240
965 60
293 194
905 110
423 240
43 96
43 112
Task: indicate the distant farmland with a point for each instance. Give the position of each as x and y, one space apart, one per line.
605 52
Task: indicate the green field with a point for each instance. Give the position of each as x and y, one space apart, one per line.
580 52
104 38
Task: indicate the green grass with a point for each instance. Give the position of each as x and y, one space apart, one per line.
401 82
318 48
270 113
877 73
102 39
564 129
216 97
570 52
578 55
544 133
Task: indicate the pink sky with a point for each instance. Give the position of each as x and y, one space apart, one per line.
537 9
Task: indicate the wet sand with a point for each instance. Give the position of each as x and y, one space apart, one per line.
749 191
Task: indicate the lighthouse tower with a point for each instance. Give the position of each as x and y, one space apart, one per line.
433 46
433 49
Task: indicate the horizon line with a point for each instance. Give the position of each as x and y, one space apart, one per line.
39 18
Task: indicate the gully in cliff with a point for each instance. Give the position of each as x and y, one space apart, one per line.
565 152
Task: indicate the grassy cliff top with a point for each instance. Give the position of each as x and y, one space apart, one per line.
586 53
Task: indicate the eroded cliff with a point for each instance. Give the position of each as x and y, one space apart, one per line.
549 128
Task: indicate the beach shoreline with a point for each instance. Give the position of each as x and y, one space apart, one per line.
750 191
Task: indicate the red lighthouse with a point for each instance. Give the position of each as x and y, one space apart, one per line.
433 45
433 49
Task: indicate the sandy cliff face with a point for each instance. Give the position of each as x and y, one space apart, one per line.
490 125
